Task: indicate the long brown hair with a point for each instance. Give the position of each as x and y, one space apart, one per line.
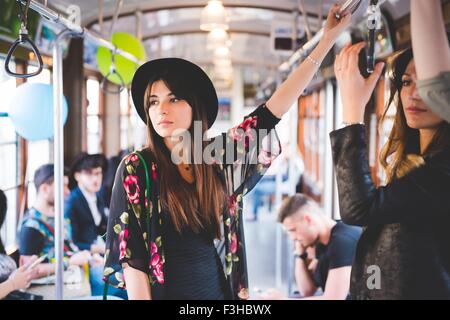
403 144
198 206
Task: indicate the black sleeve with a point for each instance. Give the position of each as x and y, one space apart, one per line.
31 241
124 239
247 150
419 195
341 251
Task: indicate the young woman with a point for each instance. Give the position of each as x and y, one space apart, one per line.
403 252
432 52
160 240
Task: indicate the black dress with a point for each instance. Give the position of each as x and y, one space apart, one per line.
190 259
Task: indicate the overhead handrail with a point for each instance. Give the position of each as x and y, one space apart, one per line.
23 39
350 6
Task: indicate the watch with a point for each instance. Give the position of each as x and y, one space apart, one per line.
302 256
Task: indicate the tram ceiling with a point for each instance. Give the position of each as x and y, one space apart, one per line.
252 26
250 50
90 9
178 22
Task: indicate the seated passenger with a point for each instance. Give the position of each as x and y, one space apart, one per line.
10 278
334 243
85 206
37 234
3 210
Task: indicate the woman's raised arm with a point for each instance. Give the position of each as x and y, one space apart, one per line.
289 91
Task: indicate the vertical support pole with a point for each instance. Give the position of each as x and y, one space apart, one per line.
58 123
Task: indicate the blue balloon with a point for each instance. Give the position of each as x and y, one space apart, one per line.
31 111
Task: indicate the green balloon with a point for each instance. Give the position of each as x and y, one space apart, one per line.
124 67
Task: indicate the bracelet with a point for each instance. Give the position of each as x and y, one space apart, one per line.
313 61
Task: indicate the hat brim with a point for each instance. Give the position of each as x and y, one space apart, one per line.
198 79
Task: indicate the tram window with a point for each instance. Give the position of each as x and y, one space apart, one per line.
8 155
124 120
93 116
138 130
38 152
43 77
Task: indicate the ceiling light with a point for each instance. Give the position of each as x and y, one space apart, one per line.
214 16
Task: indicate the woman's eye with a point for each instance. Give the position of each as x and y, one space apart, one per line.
406 83
153 103
174 100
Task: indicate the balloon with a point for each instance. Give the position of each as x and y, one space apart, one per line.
124 67
31 111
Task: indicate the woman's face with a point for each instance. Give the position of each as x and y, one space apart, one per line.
418 114
167 112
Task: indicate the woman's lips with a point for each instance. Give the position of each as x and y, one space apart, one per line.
165 123
415 110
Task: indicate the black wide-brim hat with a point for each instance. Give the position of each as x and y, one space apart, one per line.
195 78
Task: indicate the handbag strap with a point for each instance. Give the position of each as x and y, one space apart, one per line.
147 188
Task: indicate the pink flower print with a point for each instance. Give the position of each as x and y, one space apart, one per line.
132 188
249 123
133 157
244 131
234 243
156 259
154 171
158 273
243 292
265 158
153 248
235 134
123 239
232 205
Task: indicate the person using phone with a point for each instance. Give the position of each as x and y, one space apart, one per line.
37 234
18 279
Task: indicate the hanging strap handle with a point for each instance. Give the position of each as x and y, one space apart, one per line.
23 39
147 188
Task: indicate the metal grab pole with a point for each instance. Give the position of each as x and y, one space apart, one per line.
58 123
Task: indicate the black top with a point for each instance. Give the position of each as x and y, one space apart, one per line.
339 252
406 222
191 259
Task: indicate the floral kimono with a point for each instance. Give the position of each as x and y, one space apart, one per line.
242 156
